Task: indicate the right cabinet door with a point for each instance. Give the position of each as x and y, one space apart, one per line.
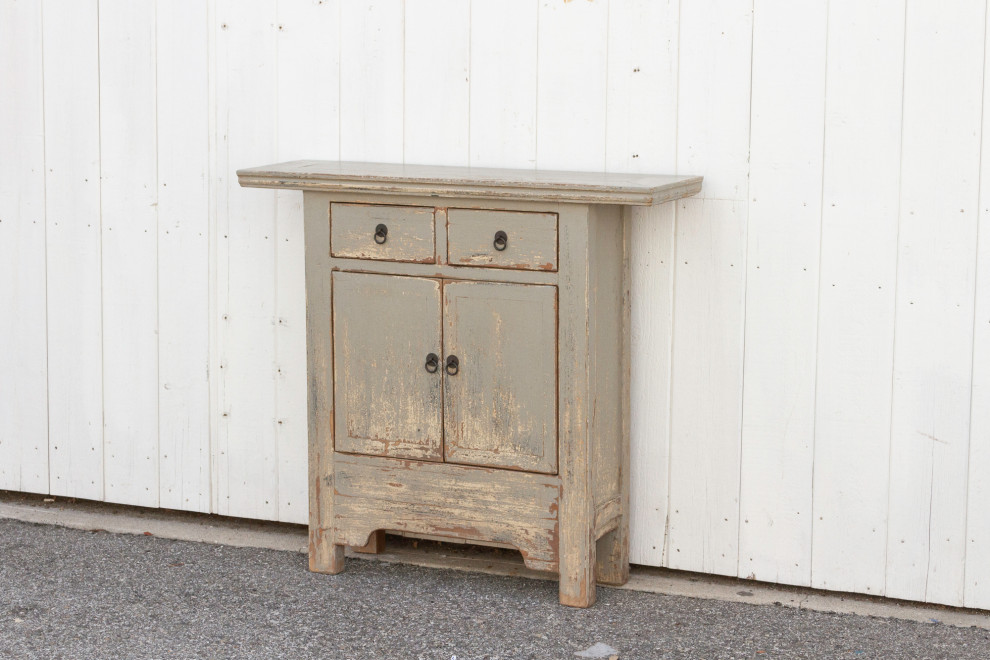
500 402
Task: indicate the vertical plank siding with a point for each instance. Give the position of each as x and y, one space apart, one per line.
933 328
860 201
23 314
785 178
811 335
73 247
129 237
183 74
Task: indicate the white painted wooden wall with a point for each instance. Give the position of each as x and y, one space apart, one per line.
811 367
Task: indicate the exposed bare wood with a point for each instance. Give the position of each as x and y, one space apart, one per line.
375 544
502 239
379 231
447 500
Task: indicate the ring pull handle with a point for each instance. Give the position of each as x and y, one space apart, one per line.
432 363
381 234
453 365
501 240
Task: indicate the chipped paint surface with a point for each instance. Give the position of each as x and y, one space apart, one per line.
459 502
531 245
409 236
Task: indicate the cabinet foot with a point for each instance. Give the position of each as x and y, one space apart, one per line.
577 574
326 558
582 595
613 558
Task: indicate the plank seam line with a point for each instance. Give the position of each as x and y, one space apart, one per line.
897 258
665 551
158 284
99 152
976 300
818 300
745 282
44 184
536 97
608 22
276 309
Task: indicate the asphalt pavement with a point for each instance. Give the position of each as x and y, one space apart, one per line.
68 593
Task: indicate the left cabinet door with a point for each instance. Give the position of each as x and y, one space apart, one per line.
387 396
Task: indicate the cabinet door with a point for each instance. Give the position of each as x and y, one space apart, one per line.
386 401
500 408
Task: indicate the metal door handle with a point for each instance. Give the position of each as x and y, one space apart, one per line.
453 366
432 363
501 240
381 234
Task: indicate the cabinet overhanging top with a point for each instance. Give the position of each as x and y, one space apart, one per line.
478 182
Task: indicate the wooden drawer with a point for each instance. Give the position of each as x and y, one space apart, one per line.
530 239
385 233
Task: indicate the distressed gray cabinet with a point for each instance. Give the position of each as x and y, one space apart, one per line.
468 358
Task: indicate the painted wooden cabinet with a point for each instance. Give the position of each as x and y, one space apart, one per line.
468 358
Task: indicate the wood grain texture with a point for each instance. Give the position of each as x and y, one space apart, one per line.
24 371
409 234
72 199
781 333
503 83
436 82
326 554
246 449
485 183
371 49
977 570
856 301
447 500
531 242
609 342
651 333
500 409
571 70
129 264
577 502
386 402
183 173
933 332
713 94
706 388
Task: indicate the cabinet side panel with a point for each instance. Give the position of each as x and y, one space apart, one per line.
605 335
577 536
319 366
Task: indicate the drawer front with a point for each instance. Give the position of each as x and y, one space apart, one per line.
385 233
529 240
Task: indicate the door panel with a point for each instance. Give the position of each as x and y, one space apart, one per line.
500 408
386 402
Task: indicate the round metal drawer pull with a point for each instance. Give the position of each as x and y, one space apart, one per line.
432 363
453 366
381 234
501 240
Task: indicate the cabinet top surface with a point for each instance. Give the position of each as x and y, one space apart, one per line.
477 182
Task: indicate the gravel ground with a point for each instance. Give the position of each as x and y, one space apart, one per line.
73 594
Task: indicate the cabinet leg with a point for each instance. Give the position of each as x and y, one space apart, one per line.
375 544
613 557
325 556
577 574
